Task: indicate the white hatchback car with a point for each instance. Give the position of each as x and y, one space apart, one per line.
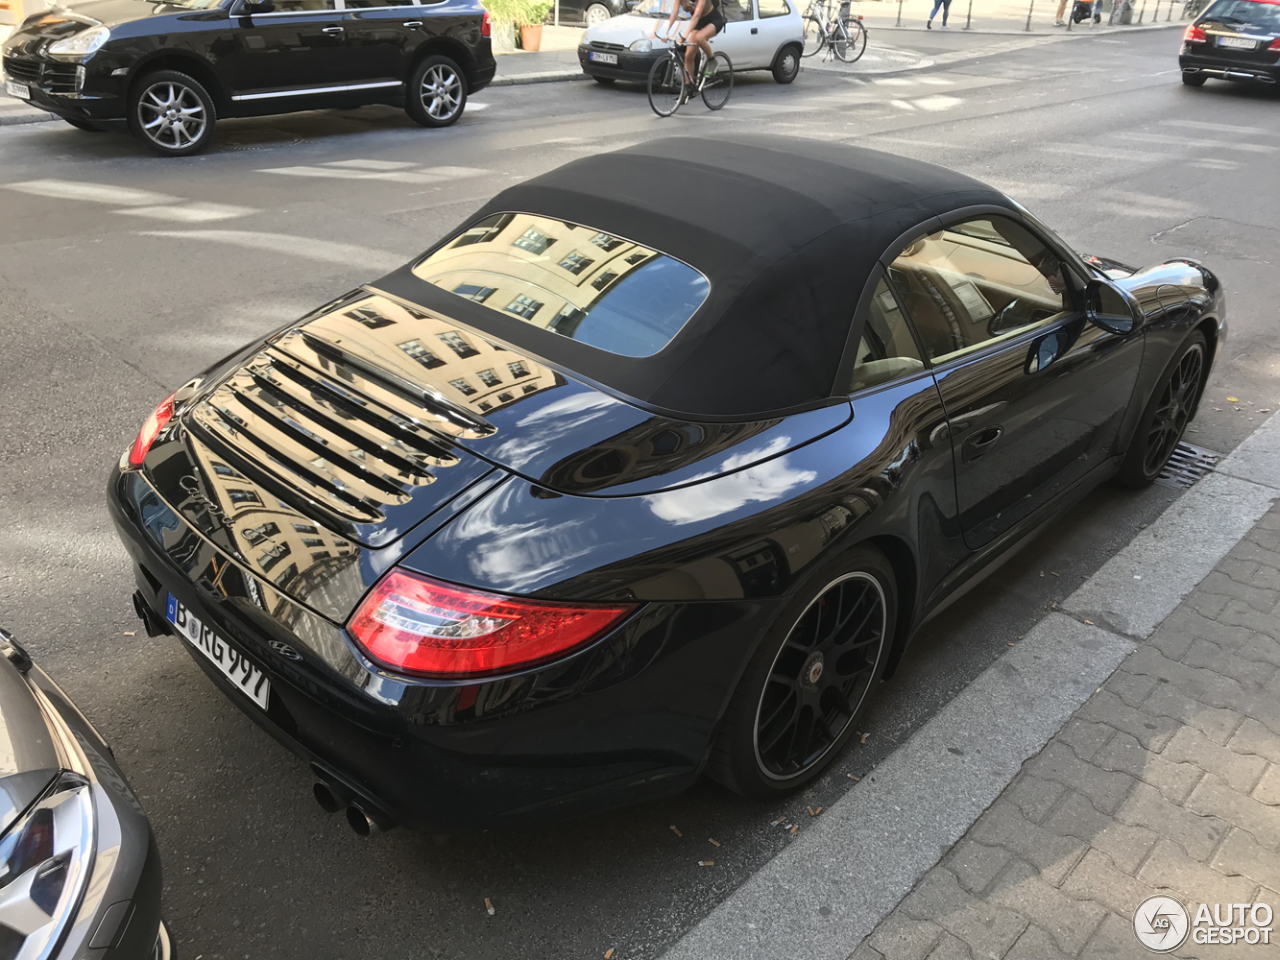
758 35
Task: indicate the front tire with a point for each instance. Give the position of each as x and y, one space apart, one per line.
811 679
1165 420
437 93
786 66
666 85
596 13
850 41
717 88
172 113
814 36
1194 79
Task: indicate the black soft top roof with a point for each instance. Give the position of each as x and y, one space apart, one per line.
786 230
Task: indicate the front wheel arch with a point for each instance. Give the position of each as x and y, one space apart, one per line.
776 64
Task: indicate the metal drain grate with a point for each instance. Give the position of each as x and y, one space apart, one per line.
1188 464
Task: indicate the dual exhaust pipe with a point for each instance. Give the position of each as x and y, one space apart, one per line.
362 816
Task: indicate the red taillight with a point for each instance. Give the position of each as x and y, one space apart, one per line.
486 28
433 629
1194 34
1274 44
151 428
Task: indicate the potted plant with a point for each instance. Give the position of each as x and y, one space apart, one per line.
532 14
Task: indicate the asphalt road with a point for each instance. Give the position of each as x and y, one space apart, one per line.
121 274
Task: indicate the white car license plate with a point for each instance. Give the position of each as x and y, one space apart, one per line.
19 90
603 57
233 664
1239 43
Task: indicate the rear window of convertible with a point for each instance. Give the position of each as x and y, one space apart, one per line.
573 280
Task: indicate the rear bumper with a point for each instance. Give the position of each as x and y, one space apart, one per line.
482 74
627 719
1224 69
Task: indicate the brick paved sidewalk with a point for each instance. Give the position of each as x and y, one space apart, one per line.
1166 781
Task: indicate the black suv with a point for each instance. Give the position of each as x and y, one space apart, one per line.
170 69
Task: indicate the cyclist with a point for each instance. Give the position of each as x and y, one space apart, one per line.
706 19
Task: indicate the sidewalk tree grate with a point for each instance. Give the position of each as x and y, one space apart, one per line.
1188 464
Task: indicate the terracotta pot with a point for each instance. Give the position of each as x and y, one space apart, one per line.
531 38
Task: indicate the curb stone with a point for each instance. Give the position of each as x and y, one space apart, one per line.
897 827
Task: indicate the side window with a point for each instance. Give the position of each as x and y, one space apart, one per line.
304 6
772 8
887 349
736 10
978 281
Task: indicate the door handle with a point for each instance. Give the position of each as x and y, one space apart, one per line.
980 443
413 23
331 29
755 30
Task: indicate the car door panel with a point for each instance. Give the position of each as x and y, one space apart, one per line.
286 50
383 37
1034 410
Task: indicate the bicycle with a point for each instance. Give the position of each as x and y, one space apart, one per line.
669 81
843 34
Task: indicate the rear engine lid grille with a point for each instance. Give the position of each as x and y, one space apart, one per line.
323 428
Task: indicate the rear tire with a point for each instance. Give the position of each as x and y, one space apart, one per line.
172 113
851 42
1194 79
437 92
1171 408
596 13
810 680
786 66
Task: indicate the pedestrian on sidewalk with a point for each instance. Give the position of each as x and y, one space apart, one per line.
945 6
1062 9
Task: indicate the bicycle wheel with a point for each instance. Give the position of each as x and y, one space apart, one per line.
666 85
814 36
855 40
717 87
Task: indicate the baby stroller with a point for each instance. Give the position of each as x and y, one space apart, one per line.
1084 9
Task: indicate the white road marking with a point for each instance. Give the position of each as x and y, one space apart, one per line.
371 164
936 81
92 192
893 81
324 251
191 212
472 106
1210 144
1219 127
904 105
1104 153
390 170
937 103
1214 163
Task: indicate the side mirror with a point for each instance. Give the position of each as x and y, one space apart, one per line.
1107 307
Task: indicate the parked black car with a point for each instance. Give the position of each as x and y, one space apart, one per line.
600 493
1233 40
81 871
170 70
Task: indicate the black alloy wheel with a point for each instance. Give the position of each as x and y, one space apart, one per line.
437 92
1165 420
786 66
810 680
172 113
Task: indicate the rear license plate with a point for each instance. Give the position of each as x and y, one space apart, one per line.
1239 43
19 90
233 664
604 57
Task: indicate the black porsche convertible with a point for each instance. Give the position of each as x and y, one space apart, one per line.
599 493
